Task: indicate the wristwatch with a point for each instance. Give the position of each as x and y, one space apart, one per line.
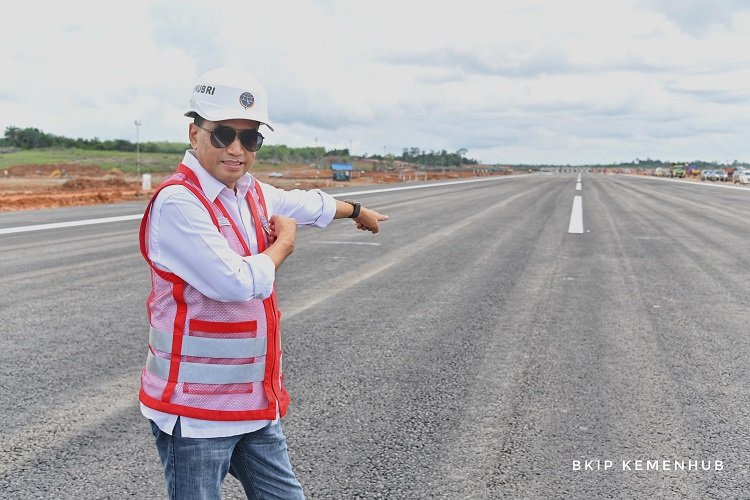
357 206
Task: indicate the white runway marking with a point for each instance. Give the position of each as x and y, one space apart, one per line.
56 225
578 186
346 243
437 184
576 216
86 222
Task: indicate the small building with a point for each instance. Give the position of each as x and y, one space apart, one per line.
341 171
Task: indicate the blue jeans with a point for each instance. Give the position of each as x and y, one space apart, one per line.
195 467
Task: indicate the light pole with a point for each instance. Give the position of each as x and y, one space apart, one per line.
137 149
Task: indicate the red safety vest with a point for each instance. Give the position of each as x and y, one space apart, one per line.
208 359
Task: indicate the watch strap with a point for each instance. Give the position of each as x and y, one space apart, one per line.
357 207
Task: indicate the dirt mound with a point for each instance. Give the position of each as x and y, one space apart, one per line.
79 183
27 201
28 187
59 169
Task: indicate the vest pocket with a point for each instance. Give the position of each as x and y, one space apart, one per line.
223 330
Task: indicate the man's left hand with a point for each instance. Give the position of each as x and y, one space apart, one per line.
369 220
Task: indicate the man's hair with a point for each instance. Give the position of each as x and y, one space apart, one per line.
198 120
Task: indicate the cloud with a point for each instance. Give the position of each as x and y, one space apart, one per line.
511 81
697 17
492 61
95 77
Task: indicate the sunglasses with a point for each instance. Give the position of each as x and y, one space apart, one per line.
222 136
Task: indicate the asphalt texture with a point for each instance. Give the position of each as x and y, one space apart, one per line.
471 350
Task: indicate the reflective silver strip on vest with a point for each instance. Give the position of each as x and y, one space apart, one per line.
209 347
206 373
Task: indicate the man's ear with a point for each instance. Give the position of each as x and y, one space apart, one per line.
193 135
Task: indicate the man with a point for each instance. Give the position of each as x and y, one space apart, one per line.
214 237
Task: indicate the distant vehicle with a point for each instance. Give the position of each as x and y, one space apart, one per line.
741 175
720 175
706 174
677 171
661 172
275 174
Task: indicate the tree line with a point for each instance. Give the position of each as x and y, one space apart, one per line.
33 138
436 158
430 158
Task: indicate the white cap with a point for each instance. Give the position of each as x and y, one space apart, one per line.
228 93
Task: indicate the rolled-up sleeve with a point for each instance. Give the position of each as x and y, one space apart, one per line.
264 273
183 240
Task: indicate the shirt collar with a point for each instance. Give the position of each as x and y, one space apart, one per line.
210 184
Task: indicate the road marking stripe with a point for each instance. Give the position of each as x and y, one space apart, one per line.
345 243
578 186
437 184
56 225
86 222
576 216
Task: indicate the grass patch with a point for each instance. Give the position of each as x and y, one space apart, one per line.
122 160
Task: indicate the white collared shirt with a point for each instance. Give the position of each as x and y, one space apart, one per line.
183 240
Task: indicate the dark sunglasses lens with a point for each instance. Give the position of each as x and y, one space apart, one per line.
222 136
251 140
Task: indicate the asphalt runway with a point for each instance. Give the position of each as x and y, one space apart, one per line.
474 349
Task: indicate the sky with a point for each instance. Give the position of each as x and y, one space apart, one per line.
512 82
